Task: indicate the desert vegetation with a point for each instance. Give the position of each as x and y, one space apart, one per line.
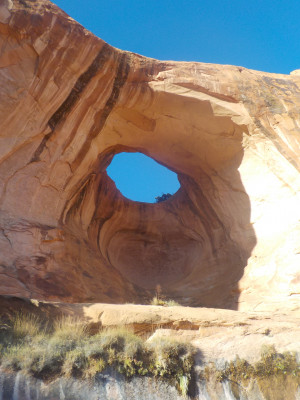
163 197
65 347
156 301
272 372
271 363
160 300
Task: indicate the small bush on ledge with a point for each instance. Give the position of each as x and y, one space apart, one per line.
160 300
66 349
271 363
273 370
163 197
156 301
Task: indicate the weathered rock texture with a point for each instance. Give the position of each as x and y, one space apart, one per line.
219 336
230 237
110 386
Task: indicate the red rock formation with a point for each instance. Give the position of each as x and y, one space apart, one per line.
228 238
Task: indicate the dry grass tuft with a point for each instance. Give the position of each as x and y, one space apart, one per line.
25 325
156 301
66 348
69 328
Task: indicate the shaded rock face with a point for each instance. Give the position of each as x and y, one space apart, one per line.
109 385
106 387
69 102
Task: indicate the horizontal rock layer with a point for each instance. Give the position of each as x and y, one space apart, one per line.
219 337
219 334
228 238
109 386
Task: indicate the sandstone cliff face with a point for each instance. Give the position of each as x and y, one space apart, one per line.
230 237
113 386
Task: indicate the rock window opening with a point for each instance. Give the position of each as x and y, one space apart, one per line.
140 178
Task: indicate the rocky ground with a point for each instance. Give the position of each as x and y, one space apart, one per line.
220 335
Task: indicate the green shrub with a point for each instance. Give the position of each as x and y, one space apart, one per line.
163 197
66 349
93 367
75 362
271 364
173 360
16 357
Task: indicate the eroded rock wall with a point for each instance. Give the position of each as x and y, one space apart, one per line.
228 238
109 385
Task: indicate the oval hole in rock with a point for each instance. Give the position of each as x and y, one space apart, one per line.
140 178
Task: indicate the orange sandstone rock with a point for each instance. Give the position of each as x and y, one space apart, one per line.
229 238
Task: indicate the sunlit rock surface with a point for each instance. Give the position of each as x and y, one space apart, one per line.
229 238
219 337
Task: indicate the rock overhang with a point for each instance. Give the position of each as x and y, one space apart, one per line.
71 102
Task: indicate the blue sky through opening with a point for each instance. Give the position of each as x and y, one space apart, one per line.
140 178
258 34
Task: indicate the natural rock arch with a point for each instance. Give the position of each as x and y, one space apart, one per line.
69 102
